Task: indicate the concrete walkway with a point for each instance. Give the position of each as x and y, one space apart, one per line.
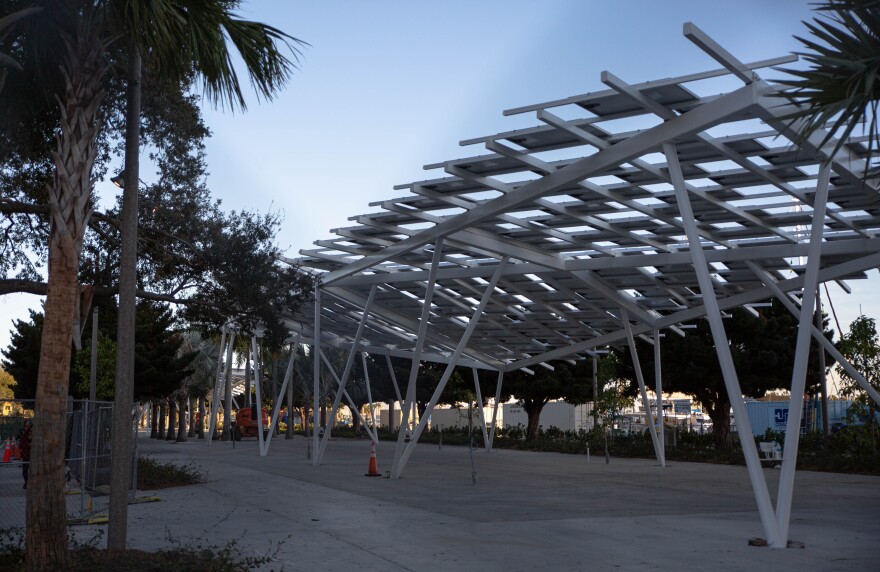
527 511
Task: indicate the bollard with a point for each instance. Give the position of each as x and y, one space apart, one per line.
440 444
588 454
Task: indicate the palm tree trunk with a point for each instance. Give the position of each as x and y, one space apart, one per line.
192 425
172 420
201 427
120 469
181 420
71 206
154 413
162 408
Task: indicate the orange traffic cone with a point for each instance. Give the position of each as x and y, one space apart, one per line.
7 451
373 471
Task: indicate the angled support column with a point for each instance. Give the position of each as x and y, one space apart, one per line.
288 376
369 391
719 336
258 383
765 277
316 374
393 379
396 392
348 398
417 358
480 406
802 352
347 371
658 379
462 344
649 417
230 347
215 394
495 409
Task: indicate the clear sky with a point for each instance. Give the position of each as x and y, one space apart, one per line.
388 86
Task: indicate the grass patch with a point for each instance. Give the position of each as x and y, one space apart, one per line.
88 557
153 474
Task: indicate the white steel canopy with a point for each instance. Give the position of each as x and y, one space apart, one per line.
599 230
624 212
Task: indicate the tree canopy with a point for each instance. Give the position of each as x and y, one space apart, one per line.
763 354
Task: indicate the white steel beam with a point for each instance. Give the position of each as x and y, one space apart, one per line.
215 395
348 398
316 374
658 379
480 409
288 375
696 120
369 391
649 417
495 409
396 465
346 372
826 274
465 338
258 382
728 370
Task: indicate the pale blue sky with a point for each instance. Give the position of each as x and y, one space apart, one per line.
389 86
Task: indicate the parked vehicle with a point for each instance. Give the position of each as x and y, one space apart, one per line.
246 423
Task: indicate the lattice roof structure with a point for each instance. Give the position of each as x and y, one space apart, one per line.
625 212
599 230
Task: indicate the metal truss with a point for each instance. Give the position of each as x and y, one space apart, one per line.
622 213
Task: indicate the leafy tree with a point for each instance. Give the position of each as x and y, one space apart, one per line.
861 347
763 355
159 367
7 385
842 83
105 372
573 383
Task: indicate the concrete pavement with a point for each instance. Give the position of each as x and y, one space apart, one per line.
528 510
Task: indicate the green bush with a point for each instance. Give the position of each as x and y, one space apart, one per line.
155 475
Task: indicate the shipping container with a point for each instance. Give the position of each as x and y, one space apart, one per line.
773 415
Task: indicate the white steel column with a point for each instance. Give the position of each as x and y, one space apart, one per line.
258 382
288 376
799 372
215 394
230 347
480 409
346 372
417 357
316 374
728 370
369 390
393 382
345 394
658 383
462 344
495 409
640 377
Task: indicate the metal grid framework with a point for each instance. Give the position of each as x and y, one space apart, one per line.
625 212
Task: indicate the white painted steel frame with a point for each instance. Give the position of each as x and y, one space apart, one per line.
614 231
728 370
403 457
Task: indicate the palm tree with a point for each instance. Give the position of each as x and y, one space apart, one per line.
841 86
179 37
6 24
75 37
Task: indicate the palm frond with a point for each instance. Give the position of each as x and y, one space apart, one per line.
839 90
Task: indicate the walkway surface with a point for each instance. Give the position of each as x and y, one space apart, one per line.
526 511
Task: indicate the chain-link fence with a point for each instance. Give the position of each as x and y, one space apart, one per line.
87 459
